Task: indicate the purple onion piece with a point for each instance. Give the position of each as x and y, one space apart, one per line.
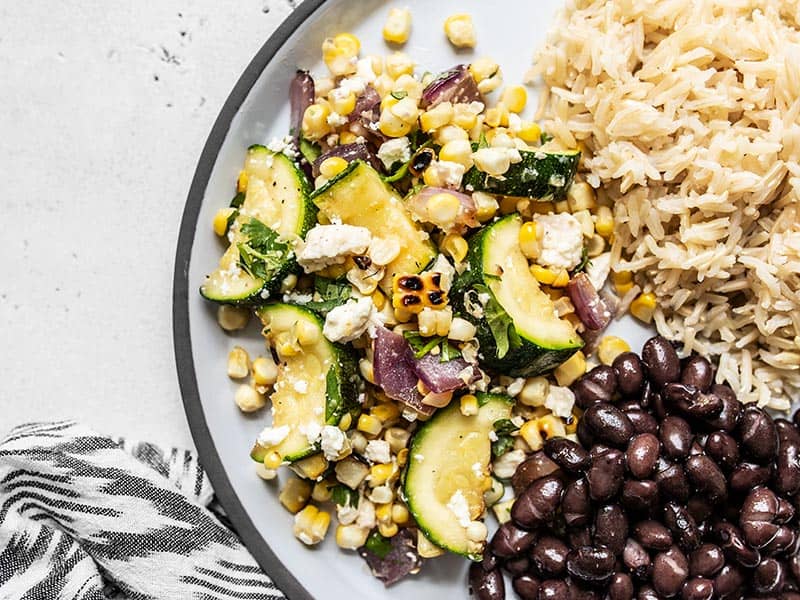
443 376
455 85
401 559
589 307
365 107
301 96
393 365
349 152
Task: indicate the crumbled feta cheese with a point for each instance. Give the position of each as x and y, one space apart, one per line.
442 266
395 150
515 387
366 514
447 173
349 321
561 239
272 436
283 145
327 245
493 436
336 120
312 430
297 298
300 386
560 401
598 269
332 441
477 469
355 84
378 451
364 71
459 507
506 465
346 514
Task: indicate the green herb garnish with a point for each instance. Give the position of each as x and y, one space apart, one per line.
585 262
545 137
332 294
399 94
238 200
424 345
262 254
500 324
310 150
344 496
378 545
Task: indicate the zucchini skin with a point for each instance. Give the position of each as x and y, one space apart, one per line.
540 176
529 359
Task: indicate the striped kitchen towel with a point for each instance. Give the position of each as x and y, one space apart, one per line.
86 517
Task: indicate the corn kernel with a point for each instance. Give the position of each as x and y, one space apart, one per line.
443 209
530 433
385 412
571 424
461 330
581 196
410 85
322 491
530 131
402 457
265 371
367 370
406 110
460 30
551 426
459 152
238 363
332 166
486 206
610 347
220 222
534 391
456 246
369 424
315 121
493 161
311 525
343 104
397 438
464 116
345 421
489 85
272 460
383 513
623 281
449 133
399 514
347 137
644 306
232 318
241 181
399 63
604 222
351 537
265 473
393 126
569 371
438 116
528 240
562 279
388 530
483 68
469 405
426 548
515 98
380 474
248 399
295 494
398 26
543 275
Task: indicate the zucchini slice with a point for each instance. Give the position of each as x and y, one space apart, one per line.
541 175
519 331
448 467
317 379
277 197
359 196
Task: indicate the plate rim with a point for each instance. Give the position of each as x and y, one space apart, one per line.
181 333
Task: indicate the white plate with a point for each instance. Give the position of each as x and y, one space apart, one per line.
257 110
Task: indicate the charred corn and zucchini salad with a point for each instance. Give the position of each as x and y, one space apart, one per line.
426 267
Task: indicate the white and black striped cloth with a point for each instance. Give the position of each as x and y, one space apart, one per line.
84 517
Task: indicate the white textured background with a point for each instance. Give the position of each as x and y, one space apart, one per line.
104 109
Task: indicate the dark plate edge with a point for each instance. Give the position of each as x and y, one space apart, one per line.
181 335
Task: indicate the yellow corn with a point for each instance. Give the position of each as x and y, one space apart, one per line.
393 126
443 209
448 133
551 426
367 369
345 422
339 53
406 110
571 424
323 490
220 222
386 411
380 474
347 137
295 494
398 26
351 537
265 371
483 68
581 196
644 306
238 363
399 514
249 399
332 166
486 206
311 525
399 63
515 98
604 223
307 334
241 181
497 116
611 347
460 30
530 433
469 405
388 530
456 246
623 282
530 131
464 116
272 460
567 372
343 105
383 513
543 275
348 44
438 116
378 299
315 121
457 151
402 457
369 424
562 279
528 241
426 548
397 438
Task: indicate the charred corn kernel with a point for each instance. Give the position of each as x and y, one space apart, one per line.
393 126
402 457
397 438
515 97
220 222
265 371
310 467
528 240
460 30
483 68
351 537
343 104
443 208
534 391
386 411
315 122
398 26
644 306
413 293
351 472
449 133
403 315
604 222
456 246
272 460
464 116
241 181
366 369
551 426
531 434
332 166
406 110
232 318
399 514
562 279
469 405
530 131
345 422
248 399
399 63
611 347
580 196
295 494
238 363
571 424
380 474
388 530
543 275
486 206
457 151
347 137
369 424
438 116
311 525
567 372
461 330
426 548
322 491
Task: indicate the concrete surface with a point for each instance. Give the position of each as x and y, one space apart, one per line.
104 109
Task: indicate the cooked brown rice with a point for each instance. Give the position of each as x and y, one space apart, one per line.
690 114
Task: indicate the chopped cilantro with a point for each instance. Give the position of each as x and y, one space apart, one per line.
344 496
262 254
378 545
422 346
500 324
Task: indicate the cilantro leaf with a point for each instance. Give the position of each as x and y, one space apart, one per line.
310 150
378 545
332 293
502 445
545 137
344 496
262 255
585 262
422 346
504 427
238 200
500 324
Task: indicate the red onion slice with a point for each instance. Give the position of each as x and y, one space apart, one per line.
394 370
443 376
301 96
589 307
455 85
349 152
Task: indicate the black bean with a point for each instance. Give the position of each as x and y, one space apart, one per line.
642 421
676 437
636 559
489 561
553 589
549 556
646 592
697 372
642 455
585 434
640 496
628 404
575 505
784 541
728 583
670 571
538 503
579 536
517 565
697 589
758 517
672 483
731 409
785 510
567 454
733 544
746 476
509 540
582 591
590 564
758 435
658 405
706 477
598 449
526 586
598 385
611 527
706 561
661 361
689 400
605 475
682 525
536 466
620 587
609 424
630 374
652 535
486 585
787 468
769 577
700 508
723 449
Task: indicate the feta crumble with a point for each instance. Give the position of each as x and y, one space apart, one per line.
349 321
598 269
378 451
272 436
395 150
332 441
561 239
448 173
327 245
560 401
336 120
459 507
283 145
312 431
